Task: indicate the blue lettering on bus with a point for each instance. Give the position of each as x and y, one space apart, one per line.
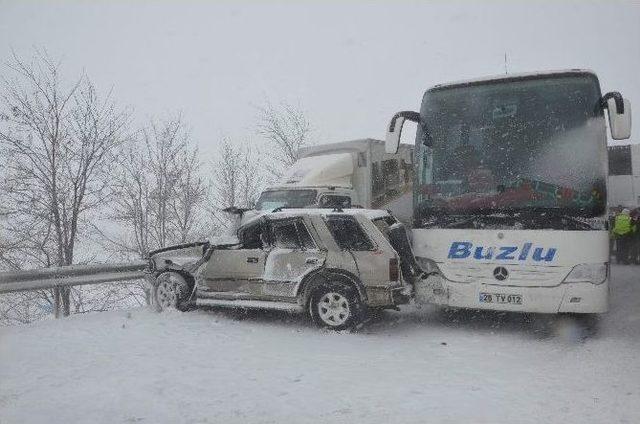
506 253
465 249
460 250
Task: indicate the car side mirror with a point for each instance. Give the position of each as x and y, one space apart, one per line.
619 111
234 210
394 130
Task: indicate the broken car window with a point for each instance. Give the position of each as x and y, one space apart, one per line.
305 238
250 236
348 234
285 235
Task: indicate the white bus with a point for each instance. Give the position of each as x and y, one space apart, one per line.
510 191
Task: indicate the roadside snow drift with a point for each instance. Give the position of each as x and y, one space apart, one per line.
415 366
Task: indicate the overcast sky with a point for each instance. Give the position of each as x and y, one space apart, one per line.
349 65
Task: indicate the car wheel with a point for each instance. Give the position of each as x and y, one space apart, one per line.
336 307
171 291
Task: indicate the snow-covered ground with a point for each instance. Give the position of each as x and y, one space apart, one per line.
413 366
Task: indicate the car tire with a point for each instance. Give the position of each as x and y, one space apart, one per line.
171 291
336 306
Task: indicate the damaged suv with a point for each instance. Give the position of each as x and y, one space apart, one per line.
333 265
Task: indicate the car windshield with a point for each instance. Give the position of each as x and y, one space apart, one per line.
511 147
273 199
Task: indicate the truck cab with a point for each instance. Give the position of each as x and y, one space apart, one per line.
305 197
349 174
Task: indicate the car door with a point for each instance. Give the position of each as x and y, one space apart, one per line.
294 253
235 271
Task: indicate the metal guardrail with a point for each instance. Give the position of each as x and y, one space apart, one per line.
72 275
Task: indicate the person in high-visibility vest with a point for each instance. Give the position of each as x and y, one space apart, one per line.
623 230
634 249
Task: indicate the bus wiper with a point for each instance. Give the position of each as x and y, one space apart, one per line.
480 215
557 217
573 219
460 222
526 219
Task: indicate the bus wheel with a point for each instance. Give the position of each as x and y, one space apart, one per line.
577 327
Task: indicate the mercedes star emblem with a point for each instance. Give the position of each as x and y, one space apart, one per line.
500 273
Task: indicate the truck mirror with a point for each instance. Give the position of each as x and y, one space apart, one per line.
619 111
394 131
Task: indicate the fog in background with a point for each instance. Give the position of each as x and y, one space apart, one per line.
350 66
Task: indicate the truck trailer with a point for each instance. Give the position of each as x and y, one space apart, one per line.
356 173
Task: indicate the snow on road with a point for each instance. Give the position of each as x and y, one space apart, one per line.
414 366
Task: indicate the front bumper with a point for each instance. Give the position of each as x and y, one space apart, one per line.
565 297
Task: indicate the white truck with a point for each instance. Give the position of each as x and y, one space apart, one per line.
510 196
357 173
624 176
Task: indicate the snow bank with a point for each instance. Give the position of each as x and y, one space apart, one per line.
416 366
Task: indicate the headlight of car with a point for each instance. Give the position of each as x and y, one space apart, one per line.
588 273
428 266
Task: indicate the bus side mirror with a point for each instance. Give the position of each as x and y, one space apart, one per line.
619 111
394 131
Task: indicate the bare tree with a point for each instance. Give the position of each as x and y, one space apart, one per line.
287 129
22 308
25 242
58 142
161 193
237 181
186 205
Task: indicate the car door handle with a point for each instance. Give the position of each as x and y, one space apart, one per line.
311 260
252 260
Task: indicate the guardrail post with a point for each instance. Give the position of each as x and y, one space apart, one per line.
56 302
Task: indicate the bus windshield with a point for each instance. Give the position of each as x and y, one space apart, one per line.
532 145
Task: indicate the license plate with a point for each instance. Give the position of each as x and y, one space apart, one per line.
513 299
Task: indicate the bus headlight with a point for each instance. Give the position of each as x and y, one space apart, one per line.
428 266
588 273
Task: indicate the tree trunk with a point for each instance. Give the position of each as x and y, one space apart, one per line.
56 302
147 296
65 294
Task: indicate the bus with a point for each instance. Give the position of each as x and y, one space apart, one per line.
510 196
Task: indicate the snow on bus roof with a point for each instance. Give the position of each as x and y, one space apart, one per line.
509 77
